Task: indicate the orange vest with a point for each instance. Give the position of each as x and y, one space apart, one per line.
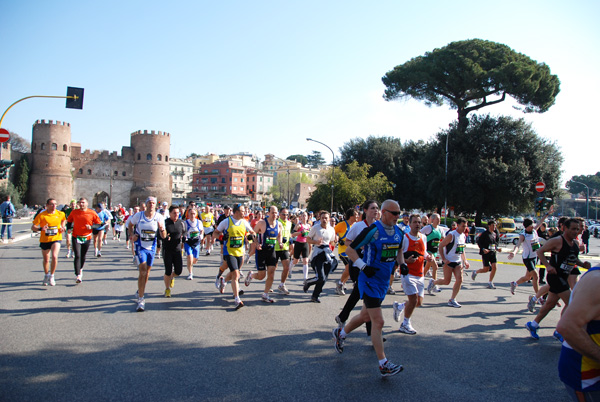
416 268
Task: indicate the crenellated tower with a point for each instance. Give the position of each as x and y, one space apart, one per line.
51 171
151 175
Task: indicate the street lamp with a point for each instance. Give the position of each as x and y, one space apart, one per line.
587 199
332 168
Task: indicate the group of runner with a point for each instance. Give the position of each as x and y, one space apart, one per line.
375 249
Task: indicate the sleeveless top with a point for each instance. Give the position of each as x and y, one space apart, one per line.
456 248
566 258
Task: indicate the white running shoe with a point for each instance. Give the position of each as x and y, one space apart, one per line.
513 287
46 279
78 279
283 289
141 305
248 279
430 287
398 308
531 303
407 329
454 303
52 281
222 285
190 277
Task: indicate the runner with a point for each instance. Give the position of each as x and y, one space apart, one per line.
434 236
175 229
323 239
488 247
300 245
342 229
100 231
414 248
193 239
208 223
51 224
82 220
564 256
270 232
381 242
234 230
143 227
68 210
452 253
282 251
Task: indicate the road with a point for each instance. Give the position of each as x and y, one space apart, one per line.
86 342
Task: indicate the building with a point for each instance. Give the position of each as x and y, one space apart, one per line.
182 173
259 185
224 178
59 169
200 161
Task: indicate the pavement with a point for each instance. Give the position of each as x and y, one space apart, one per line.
86 342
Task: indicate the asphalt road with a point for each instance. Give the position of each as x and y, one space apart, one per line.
86 342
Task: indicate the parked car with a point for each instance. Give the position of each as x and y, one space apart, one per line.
507 238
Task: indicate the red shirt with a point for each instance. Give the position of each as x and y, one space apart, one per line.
80 219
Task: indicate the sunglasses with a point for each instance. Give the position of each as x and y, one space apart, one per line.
395 213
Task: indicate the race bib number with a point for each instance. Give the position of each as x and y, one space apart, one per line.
148 235
435 243
51 231
270 241
535 245
194 235
460 249
236 242
81 239
305 233
389 252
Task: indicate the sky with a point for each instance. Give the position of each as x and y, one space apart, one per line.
262 76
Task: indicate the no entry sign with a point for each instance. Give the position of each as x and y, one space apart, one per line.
4 136
540 186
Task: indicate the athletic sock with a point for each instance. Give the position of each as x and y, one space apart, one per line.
343 333
382 362
305 271
406 321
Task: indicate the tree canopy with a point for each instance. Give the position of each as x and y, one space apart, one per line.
315 159
592 181
298 158
352 186
472 74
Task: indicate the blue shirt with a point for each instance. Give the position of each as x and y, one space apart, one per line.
7 209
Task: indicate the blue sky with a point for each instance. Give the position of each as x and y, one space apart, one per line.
261 76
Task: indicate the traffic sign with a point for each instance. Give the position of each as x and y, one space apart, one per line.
4 135
540 186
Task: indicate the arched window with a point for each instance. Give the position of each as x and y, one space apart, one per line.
89 171
149 157
116 173
139 157
42 146
124 174
54 146
65 148
166 158
80 171
159 157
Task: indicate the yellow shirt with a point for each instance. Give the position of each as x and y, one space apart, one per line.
342 229
207 219
54 222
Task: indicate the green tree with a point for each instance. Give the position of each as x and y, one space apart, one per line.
352 186
592 181
22 177
472 74
285 188
495 165
9 189
298 158
315 159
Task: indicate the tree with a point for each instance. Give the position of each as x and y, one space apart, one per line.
9 189
19 144
472 74
298 158
352 186
315 159
495 165
285 188
22 177
592 181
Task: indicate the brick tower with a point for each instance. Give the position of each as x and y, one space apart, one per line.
151 175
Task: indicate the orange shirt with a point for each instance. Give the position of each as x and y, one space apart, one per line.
80 218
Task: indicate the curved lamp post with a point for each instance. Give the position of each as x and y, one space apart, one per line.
332 168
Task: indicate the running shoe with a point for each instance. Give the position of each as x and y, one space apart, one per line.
241 275
558 337
248 279
315 300
207 252
52 282
190 277
531 303
437 289
283 289
306 286
68 253
222 285
78 279
172 284
430 286
389 369
167 292
46 279
141 305
473 275
491 285
99 254
513 286
239 305
398 307
339 289
532 330
339 341
407 329
266 298
391 291
454 303
339 321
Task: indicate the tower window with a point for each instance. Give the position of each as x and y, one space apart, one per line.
89 171
139 157
54 146
42 146
80 171
149 157
159 157
65 148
